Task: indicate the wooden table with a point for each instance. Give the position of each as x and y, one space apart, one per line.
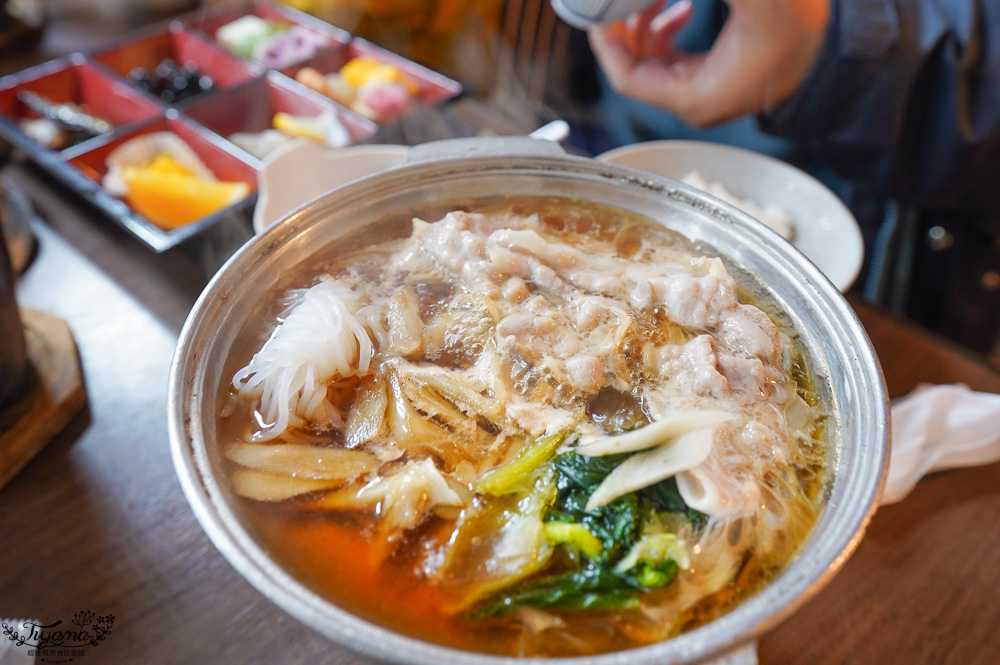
97 522
924 586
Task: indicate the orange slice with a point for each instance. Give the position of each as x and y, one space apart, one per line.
170 199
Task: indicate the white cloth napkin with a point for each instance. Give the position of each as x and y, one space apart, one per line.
940 427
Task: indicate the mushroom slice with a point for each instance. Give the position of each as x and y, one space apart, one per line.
405 497
653 434
648 468
304 461
405 324
265 486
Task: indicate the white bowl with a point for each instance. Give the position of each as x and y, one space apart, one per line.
825 230
303 169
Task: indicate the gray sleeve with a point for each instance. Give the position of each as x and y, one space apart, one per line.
904 100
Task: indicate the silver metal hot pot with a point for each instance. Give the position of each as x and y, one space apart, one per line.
436 176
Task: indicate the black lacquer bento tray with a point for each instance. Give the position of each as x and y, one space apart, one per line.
245 97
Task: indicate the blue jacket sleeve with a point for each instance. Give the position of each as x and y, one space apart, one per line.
904 101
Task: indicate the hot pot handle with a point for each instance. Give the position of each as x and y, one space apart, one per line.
482 147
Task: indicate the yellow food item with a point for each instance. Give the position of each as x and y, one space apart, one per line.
168 195
365 69
164 163
357 70
392 74
312 128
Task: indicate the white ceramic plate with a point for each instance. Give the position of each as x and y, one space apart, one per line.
303 169
825 230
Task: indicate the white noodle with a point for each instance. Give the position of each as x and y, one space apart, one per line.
319 339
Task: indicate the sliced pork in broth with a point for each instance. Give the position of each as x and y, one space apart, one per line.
545 429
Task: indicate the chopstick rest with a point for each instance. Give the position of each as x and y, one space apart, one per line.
940 427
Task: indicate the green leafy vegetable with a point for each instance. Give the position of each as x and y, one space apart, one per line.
625 544
577 535
499 543
654 549
588 589
516 475
616 524
653 575
666 497
583 472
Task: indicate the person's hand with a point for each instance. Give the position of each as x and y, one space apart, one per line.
763 53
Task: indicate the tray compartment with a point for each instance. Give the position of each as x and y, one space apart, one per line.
72 79
184 47
219 156
208 21
252 107
245 97
434 88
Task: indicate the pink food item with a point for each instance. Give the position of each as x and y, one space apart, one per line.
382 101
282 49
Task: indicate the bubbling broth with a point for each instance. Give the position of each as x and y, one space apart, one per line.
536 427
